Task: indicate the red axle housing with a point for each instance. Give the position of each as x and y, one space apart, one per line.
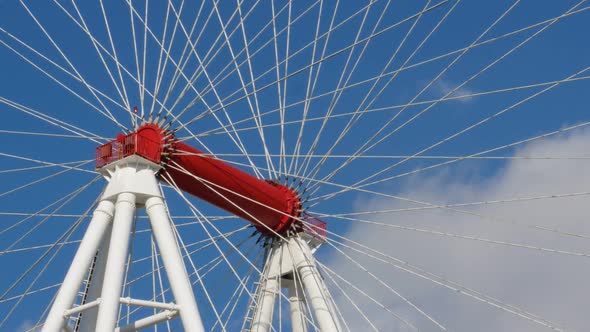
271 207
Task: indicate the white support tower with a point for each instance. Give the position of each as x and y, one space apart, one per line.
132 185
291 265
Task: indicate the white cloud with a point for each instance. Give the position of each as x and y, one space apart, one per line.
551 285
442 87
26 326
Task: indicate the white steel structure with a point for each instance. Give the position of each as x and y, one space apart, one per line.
291 265
132 185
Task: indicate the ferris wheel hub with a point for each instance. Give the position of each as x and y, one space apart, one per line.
274 209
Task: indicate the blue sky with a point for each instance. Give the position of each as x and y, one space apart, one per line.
556 53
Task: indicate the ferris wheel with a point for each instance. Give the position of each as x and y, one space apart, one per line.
273 165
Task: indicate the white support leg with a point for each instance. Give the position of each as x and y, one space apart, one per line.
131 180
297 306
115 268
262 320
174 265
88 318
269 288
332 306
312 281
79 268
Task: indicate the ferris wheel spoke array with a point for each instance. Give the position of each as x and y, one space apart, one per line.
372 165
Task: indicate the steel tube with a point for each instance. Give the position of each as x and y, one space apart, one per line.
268 291
297 306
148 321
148 304
174 265
82 308
88 318
115 268
273 206
79 267
312 281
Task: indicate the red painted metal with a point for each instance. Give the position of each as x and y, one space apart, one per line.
270 206
316 227
143 143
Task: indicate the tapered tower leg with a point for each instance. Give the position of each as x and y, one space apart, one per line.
304 264
113 279
269 288
132 180
88 318
174 264
292 261
297 306
79 267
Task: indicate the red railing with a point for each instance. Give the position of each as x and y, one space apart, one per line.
315 227
128 145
